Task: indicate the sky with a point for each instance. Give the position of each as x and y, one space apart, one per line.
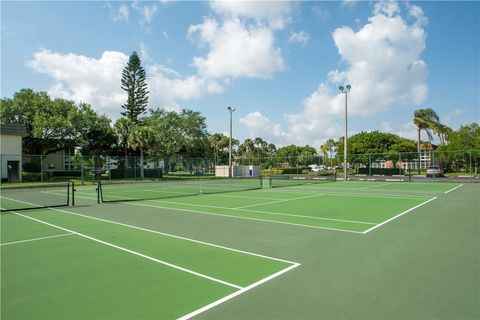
278 63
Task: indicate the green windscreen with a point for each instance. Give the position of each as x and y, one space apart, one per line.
34 196
160 189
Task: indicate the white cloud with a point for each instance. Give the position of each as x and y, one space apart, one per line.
98 81
386 7
144 52
236 50
260 126
81 78
122 13
274 13
167 87
382 61
300 37
406 130
241 39
449 117
144 12
416 13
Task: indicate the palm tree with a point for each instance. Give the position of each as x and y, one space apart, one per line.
426 120
215 140
122 129
443 132
324 149
139 138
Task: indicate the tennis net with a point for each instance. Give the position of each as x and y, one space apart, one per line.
160 189
297 180
34 196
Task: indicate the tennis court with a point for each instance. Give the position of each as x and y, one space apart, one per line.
246 248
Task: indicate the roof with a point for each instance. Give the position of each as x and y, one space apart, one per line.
13 129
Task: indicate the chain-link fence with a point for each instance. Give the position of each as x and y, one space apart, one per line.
60 167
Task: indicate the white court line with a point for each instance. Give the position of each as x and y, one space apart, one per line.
252 211
238 217
255 211
168 234
277 201
303 216
233 295
232 195
21 201
397 216
218 214
135 253
36 239
375 186
453 189
351 194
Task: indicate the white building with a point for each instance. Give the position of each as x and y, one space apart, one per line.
11 136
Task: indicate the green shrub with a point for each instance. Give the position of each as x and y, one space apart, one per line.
381 171
31 176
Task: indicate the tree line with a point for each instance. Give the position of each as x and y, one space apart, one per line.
55 124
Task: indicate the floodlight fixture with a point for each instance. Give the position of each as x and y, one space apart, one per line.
345 90
230 109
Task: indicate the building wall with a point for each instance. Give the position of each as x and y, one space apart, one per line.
54 161
10 150
11 144
237 171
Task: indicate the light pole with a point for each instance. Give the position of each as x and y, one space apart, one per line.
345 90
230 109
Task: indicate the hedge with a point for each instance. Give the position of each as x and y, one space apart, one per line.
381 171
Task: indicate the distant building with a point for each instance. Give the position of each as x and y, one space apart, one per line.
425 160
11 136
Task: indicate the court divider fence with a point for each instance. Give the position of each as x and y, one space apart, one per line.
85 169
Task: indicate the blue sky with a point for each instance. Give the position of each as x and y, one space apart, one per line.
279 63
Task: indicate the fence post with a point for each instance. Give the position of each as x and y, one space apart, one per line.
41 168
470 161
81 169
400 163
369 165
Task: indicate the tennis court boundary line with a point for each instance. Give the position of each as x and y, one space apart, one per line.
238 217
169 234
398 216
214 214
237 293
278 201
36 239
258 211
134 253
242 208
351 194
453 189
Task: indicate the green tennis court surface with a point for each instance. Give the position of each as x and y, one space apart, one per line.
313 250
351 206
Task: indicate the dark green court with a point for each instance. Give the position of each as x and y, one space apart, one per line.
344 250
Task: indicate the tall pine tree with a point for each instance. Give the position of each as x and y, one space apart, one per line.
133 82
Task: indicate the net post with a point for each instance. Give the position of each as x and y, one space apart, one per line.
73 193
68 193
99 188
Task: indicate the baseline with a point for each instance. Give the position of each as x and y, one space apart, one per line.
133 252
233 295
169 234
398 215
453 189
